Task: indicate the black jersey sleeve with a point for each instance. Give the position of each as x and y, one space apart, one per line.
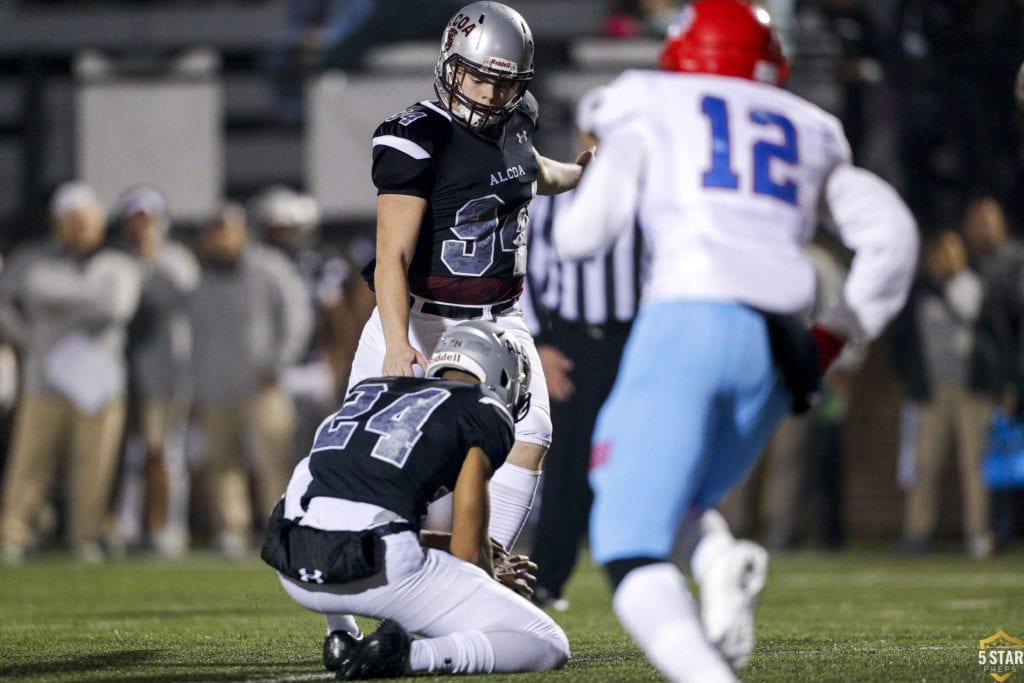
489 426
530 107
405 148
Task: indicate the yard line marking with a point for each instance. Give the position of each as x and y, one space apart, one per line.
325 676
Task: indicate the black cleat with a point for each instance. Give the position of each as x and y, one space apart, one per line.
338 649
382 654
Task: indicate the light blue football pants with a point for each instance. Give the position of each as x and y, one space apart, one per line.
696 399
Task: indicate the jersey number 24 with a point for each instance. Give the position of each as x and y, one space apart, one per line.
398 425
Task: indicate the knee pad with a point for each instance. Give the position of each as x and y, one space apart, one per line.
536 426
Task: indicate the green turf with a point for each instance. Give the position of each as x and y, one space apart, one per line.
848 617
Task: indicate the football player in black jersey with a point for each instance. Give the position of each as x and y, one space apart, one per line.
454 177
345 537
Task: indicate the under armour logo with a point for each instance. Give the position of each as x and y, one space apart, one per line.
521 137
316 577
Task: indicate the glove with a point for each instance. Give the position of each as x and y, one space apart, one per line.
829 345
513 571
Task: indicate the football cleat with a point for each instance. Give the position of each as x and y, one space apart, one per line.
382 654
728 597
338 648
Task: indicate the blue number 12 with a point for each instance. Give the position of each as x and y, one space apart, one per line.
722 176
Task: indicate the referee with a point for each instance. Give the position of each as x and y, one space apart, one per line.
580 314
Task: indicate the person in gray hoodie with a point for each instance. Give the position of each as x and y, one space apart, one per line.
65 306
250 318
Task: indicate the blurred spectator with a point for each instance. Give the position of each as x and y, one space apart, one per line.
250 320
1000 260
287 221
8 389
941 349
159 348
799 478
640 18
65 306
336 34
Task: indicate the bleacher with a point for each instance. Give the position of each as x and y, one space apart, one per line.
55 57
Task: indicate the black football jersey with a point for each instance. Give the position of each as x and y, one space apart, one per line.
477 189
399 442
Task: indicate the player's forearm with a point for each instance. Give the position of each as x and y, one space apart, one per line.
473 550
555 177
392 287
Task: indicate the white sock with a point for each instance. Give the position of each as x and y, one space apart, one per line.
512 491
466 652
656 608
342 622
539 650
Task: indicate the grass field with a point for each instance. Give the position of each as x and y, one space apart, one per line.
863 616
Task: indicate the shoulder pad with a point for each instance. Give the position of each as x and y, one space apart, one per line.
423 123
530 107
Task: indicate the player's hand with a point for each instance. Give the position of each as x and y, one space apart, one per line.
513 571
557 367
586 156
398 361
829 345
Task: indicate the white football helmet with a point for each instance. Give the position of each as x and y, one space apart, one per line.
488 352
487 40
285 218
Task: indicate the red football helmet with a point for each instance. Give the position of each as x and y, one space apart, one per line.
726 37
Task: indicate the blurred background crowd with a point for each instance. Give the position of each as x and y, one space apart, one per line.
185 206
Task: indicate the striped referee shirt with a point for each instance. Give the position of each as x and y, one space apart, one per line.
598 291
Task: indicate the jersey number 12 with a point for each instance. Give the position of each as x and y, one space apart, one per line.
721 175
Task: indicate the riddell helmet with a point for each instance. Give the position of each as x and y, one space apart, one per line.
726 37
489 40
489 353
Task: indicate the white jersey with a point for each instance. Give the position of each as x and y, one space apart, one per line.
727 176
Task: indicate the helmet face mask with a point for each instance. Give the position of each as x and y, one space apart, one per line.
491 43
727 38
489 353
